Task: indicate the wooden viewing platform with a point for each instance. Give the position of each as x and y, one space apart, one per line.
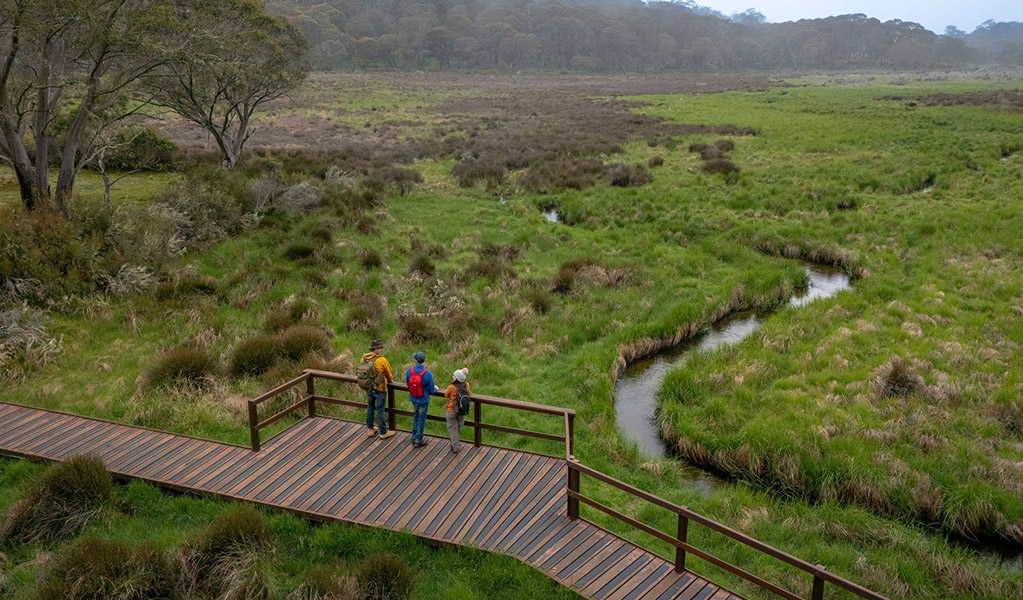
516 503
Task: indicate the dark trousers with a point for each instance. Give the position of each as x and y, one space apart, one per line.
375 401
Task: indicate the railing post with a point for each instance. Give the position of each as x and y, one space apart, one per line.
573 485
818 586
253 431
683 536
392 419
310 390
570 440
477 416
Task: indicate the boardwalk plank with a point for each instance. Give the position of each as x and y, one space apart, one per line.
504 500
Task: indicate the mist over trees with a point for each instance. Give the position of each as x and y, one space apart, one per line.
602 36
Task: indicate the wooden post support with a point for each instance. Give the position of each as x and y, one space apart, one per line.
477 434
683 536
310 390
253 432
571 435
818 586
392 419
573 485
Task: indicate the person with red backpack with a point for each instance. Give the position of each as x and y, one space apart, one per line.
420 385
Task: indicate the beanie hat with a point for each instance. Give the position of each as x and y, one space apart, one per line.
460 375
419 357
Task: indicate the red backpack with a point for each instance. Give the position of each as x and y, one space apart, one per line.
415 383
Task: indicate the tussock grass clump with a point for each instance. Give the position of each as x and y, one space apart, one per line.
423 265
321 582
370 259
184 365
186 286
299 250
493 268
655 161
896 379
60 502
255 355
291 313
96 569
564 281
508 252
299 340
626 175
228 559
321 232
540 300
24 342
385 577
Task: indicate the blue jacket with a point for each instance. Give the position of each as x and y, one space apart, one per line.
428 385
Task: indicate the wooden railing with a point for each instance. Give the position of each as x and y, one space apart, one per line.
310 399
574 471
681 543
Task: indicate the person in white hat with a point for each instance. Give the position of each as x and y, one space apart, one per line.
459 400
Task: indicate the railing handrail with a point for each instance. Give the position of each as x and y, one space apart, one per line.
310 398
817 571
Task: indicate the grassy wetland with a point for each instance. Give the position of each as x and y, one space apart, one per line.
878 432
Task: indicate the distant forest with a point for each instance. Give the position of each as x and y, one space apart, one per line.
621 36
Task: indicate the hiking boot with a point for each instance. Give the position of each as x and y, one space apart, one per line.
419 444
371 432
384 436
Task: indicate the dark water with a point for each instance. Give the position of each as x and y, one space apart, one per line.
637 388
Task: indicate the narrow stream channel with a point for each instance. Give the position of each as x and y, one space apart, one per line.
637 388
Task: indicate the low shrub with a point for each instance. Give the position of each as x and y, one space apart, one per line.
626 175
95 569
566 173
724 145
371 259
846 203
423 265
299 249
720 165
326 583
228 560
385 577
540 300
140 150
505 251
255 355
655 161
417 328
405 180
365 312
300 340
187 364
490 267
472 171
60 502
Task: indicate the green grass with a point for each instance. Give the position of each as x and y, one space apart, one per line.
840 468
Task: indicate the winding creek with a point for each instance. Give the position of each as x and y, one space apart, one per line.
638 386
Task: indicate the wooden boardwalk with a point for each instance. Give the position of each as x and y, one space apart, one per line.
496 499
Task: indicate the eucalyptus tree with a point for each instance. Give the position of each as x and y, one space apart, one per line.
68 69
242 58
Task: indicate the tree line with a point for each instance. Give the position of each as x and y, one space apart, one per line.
73 73
602 35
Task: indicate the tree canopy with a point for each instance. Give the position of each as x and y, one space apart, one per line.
602 35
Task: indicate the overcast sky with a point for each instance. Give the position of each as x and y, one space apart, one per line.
932 14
